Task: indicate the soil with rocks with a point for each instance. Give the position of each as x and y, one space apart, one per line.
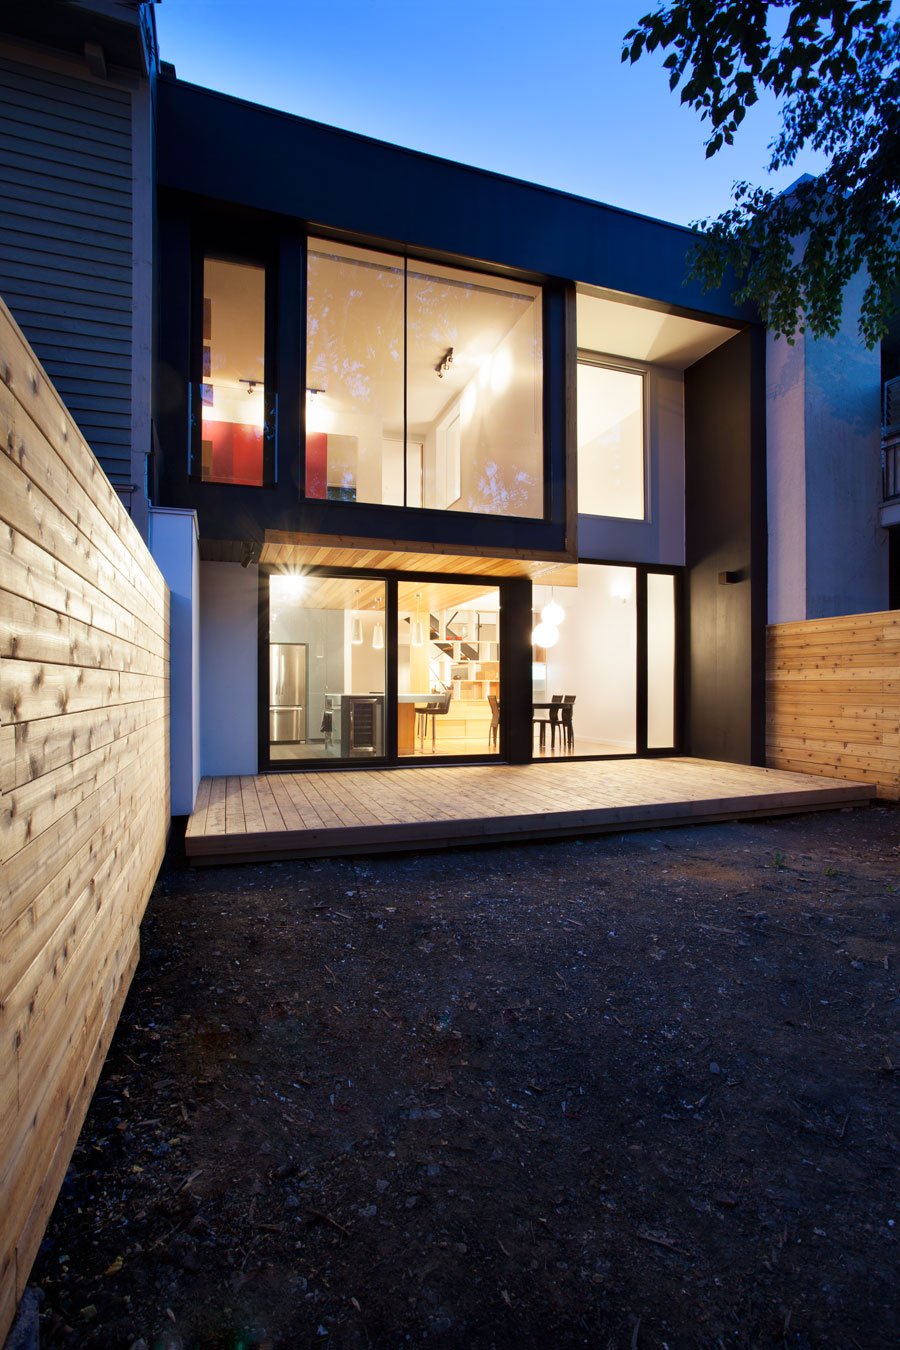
633 1091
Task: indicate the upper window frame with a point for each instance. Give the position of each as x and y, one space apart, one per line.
255 252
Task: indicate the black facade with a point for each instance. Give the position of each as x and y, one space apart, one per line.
252 184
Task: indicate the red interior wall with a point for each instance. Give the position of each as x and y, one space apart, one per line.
237 453
316 464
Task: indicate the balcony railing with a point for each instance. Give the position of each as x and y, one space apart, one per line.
890 419
890 468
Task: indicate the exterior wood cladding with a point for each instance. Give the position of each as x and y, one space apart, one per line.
66 242
84 785
834 698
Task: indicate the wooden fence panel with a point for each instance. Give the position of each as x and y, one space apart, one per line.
84 785
833 698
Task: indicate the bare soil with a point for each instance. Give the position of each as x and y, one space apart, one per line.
635 1091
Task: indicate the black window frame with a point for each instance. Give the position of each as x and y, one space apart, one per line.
233 517
225 245
425 257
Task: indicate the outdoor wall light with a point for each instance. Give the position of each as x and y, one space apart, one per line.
291 585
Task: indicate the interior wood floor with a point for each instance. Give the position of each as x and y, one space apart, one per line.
309 814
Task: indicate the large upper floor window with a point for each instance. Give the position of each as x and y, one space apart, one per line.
611 442
424 385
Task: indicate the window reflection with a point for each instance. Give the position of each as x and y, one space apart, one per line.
424 385
232 395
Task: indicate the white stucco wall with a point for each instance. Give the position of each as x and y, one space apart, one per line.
173 542
229 628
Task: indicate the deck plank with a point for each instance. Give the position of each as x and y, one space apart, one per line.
317 813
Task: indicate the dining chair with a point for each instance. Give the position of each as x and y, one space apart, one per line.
547 717
568 730
494 728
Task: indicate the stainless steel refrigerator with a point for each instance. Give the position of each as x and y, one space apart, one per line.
287 692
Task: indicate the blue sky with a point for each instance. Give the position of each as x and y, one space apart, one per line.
530 88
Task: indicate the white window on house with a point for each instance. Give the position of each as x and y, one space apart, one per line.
611 442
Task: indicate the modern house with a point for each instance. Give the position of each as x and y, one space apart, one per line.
440 466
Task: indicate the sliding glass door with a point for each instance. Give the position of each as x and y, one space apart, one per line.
365 668
448 669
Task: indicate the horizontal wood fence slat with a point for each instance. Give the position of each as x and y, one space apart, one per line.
84 785
833 698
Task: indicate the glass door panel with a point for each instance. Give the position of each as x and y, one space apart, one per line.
448 669
327 668
660 661
585 661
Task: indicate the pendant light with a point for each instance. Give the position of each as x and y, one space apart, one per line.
378 635
356 633
418 632
553 613
545 635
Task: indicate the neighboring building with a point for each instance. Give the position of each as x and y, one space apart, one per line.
76 213
399 407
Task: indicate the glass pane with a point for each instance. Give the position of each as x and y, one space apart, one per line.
610 442
584 669
326 668
474 390
660 661
448 669
232 394
354 375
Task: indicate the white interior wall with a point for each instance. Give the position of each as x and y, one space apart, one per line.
228 668
659 538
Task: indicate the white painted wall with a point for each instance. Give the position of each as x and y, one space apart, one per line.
173 539
229 626
660 537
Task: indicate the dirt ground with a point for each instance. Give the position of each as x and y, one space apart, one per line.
634 1091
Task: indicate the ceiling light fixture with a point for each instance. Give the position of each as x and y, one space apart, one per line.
444 364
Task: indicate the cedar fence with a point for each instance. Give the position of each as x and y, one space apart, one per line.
833 698
84 786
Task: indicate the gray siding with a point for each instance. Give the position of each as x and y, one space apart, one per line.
66 243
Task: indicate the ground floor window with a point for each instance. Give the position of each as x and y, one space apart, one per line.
397 668
327 668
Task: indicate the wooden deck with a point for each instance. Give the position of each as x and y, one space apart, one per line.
303 815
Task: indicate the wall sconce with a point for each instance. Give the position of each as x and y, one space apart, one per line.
620 589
